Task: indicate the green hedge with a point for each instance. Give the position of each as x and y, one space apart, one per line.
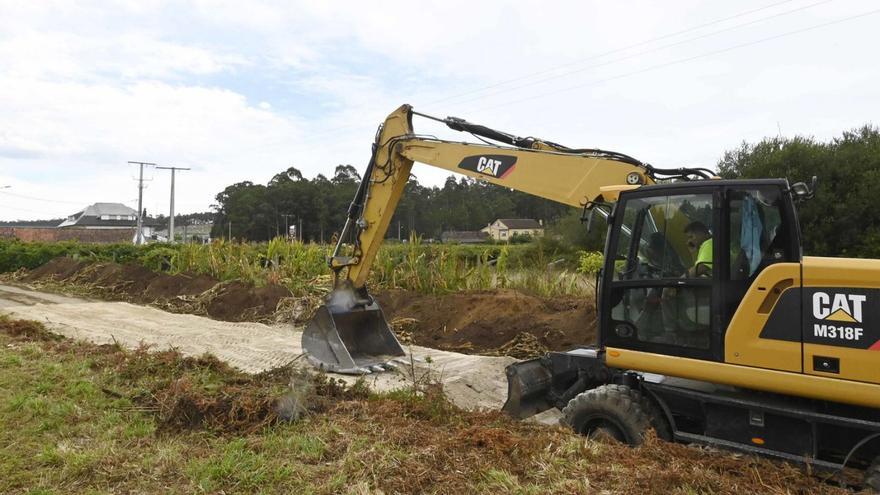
15 254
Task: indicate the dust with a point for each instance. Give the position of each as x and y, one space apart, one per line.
341 301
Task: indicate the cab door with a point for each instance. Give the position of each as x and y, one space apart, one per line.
762 304
660 291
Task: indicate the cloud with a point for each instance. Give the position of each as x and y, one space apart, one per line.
239 91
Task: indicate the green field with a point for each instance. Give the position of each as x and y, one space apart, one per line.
82 418
544 268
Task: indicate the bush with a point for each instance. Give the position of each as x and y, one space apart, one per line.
590 261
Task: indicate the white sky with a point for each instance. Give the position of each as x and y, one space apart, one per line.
242 90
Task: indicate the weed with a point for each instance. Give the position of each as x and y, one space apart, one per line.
302 268
107 437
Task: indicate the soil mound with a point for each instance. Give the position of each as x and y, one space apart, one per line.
494 322
504 322
57 269
189 293
169 286
237 301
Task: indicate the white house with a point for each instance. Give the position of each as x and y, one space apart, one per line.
505 228
108 216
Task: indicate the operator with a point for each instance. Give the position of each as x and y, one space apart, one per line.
699 240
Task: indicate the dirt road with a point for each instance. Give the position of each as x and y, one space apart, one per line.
470 381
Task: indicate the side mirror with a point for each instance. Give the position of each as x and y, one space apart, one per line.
589 217
803 192
590 220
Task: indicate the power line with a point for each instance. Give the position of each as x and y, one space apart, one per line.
644 52
22 196
329 133
31 211
610 52
684 60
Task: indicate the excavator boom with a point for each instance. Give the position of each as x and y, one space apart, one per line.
349 334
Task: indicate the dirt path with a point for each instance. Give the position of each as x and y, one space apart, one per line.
470 381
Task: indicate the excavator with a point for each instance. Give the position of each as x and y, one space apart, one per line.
713 327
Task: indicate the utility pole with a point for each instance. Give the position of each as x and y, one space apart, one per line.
230 230
286 225
300 230
171 217
139 235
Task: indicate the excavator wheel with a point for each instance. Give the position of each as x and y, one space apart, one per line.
872 476
614 411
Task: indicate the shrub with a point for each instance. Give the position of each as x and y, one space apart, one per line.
590 262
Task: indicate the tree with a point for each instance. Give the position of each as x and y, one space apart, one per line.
320 206
843 218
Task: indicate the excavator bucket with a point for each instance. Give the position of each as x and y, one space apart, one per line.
351 340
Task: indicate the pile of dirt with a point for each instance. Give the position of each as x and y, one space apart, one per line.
186 293
237 301
501 322
492 322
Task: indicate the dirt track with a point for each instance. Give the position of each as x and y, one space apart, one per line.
469 381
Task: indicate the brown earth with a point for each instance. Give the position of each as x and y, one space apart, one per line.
235 301
505 322
189 293
502 322
408 442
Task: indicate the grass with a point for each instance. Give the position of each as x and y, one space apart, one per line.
81 418
544 268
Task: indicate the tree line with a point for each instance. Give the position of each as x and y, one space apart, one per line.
842 220
318 206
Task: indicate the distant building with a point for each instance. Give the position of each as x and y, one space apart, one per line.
505 228
464 236
108 216
194 231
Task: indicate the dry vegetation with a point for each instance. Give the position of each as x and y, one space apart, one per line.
79 418
543 268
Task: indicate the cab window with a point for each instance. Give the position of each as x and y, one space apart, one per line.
666 237
757 234
661 289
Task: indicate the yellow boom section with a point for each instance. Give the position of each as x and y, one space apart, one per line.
572 179
349 334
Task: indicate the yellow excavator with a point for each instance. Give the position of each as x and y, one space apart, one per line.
713 327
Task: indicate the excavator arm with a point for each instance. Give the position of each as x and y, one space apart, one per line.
349 334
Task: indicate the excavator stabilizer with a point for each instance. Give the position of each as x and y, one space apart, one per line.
352 340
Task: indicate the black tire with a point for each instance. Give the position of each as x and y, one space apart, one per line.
616 411
872 476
